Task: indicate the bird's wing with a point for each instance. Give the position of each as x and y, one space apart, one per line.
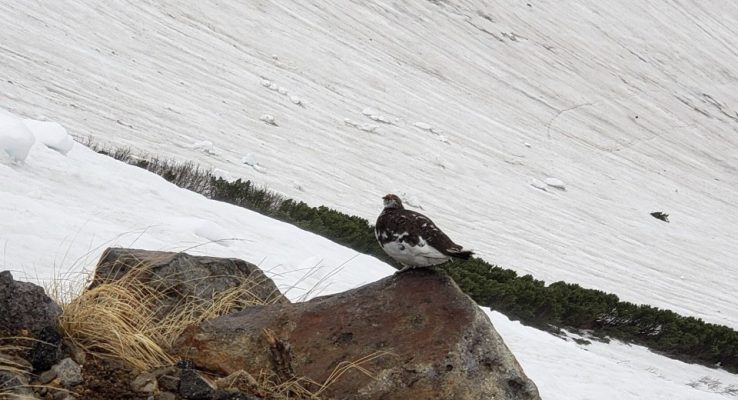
414 229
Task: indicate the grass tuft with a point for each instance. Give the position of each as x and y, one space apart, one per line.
120 319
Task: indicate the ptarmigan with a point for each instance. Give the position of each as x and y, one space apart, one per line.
412 238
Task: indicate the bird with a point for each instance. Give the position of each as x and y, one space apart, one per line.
412 239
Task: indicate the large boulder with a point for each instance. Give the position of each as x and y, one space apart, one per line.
415 333
24 307
181 276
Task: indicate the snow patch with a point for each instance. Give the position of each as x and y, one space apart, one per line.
376 116
250 160
412 201
51 134
538 184
15 137
371 128
212 232
204 146
281 90
223 174
430 128
423 126
268 119
555 183
298 101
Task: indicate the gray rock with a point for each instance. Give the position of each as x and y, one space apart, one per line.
182 276
145 383
433 342
68 372
165 396
24 305
193 386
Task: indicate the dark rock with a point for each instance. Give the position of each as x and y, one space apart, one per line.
182 276
660 215
428 341
193 386
68 372
165 396
47 351
24 306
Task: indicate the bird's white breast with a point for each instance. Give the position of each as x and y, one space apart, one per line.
421 255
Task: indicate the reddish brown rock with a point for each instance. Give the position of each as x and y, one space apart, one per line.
430 341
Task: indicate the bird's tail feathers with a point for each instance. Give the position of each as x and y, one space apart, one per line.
462 254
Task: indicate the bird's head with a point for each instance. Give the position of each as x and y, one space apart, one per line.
392 201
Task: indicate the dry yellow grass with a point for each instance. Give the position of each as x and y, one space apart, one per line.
119 319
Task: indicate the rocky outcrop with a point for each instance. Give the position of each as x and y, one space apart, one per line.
413 335
24 306
410 336
182 276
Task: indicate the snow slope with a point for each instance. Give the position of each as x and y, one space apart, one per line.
540 133
58 211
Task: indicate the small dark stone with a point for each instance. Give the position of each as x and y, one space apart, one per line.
184 364
192 386
660 215
47 351
344 338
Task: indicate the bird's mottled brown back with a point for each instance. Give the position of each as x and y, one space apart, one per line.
409 227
